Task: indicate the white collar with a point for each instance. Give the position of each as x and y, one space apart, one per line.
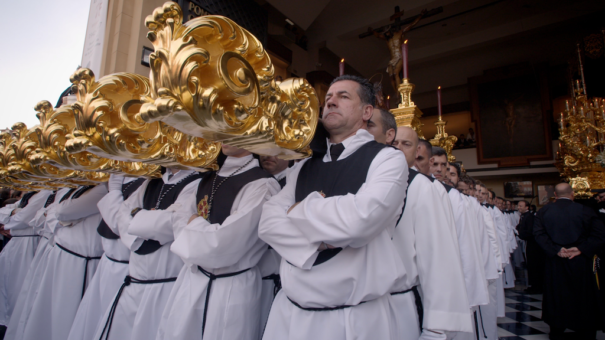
351 144
177 177
233 163
129 179
282 174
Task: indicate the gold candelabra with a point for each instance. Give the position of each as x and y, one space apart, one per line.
407 113
444 141
581 156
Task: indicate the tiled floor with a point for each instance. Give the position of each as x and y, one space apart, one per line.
524 318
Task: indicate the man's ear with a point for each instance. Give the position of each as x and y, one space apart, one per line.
390 136
367 112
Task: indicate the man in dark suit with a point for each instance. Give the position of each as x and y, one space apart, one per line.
570 234
535 255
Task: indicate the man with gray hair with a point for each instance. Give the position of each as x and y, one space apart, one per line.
570 234
382 126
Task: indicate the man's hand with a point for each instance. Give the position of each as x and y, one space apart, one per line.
324 246
193 217
13 212
562 253
573 252
292 207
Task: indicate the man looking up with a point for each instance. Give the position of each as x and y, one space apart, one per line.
332 224
382 126
423 159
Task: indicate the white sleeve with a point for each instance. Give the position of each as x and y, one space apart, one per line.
5 212
109 207
276 229
223 245
356 219
81 207
22 218
157 224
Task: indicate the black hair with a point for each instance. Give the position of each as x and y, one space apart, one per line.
457 167
438 151
427 145
493 194
388 121
366 89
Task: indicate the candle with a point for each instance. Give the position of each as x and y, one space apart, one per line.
341 66
567 106
587 141
439 101
562 121
404 56
388 103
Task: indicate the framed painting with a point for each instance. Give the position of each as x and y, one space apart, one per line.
545 193
510 108
523 189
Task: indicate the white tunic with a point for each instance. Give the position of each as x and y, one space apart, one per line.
139 309
470 250
110 274
426 241
31 283
269 270
364 271
220 249
60 291
17 256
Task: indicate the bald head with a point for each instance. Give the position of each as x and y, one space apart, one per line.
563 190
406 140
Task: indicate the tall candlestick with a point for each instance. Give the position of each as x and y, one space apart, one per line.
562 121
388 102
341 66
581 67
567 106
439 101
404 56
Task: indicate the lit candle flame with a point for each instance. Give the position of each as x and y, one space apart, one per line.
388 97
438 87
406 41
342 60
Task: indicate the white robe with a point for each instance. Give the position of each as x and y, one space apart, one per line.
60 290
109 275
31 284
364 271
230 247
269 270
427 243
139 309
470 250
17 256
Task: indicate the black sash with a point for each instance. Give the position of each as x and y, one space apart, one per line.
87 258
418 301
127 281
282 182
212 278
127 190
67 195
336 178
153 192
51 199
25 235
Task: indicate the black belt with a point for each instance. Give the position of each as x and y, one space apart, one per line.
87 258
276 282
114 260
25 235
418 301
127 281
482 327
213 277
324 309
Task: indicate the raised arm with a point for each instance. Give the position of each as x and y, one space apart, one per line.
157 224
81 207
222 245
356 219
276 229
22 218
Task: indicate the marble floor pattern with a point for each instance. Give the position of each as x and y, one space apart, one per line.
524 318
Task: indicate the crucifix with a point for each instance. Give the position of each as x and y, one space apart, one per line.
394 34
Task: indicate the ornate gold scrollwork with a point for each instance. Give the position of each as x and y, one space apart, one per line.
107 125
213 79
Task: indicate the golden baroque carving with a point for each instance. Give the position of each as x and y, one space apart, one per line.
213 79
107 125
